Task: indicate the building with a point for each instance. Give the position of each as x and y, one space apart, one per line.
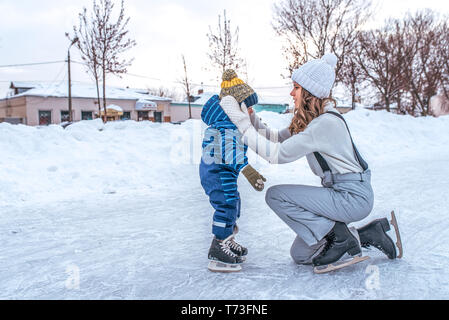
180 110
272 105
47 103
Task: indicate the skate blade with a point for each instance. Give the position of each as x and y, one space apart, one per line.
394 223
217 266
338 265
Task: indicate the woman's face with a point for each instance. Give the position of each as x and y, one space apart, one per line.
296 93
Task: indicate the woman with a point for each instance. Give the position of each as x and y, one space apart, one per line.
318 215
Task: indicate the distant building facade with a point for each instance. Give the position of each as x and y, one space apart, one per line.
43 104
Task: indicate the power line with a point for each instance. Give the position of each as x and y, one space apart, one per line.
58 81
129 74
30 64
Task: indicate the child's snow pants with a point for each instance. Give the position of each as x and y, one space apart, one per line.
220 184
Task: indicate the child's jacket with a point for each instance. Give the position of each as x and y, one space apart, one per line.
224 153
222 142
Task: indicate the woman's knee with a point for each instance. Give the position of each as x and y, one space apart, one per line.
298 259
300 252
272 195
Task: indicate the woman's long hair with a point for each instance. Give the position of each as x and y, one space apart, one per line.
309 108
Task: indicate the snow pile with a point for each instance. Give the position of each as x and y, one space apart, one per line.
386 137
50 163
121 206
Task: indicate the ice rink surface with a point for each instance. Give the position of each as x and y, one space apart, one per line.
118 212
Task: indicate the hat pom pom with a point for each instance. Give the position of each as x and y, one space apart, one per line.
331 59
229 74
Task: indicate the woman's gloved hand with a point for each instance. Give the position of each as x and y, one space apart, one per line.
239 116
254 178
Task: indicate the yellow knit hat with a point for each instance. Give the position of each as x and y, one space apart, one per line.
233 86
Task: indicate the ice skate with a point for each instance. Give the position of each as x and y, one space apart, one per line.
217 266
221 257
375 235
237 248
340 241
394 222
339 265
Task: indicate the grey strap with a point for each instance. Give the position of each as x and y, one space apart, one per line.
323 163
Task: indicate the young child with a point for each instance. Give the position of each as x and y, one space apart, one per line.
224 156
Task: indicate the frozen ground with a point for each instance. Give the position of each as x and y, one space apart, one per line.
120 214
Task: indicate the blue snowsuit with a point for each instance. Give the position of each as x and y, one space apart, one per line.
224 155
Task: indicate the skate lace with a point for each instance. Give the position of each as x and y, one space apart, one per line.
368 245
365 244
329 243
226 249
234 245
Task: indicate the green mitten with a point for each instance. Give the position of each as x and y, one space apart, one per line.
254 177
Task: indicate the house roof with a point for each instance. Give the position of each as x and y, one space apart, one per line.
79 90
203 98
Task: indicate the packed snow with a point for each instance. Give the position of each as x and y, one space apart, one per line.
117 211
80 90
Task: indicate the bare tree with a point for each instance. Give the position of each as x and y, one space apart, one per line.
315 27
351 74
113 41
187 86
406 61
384 58
163 92
87 34
403 52
443 52
102 42
429 63
223 44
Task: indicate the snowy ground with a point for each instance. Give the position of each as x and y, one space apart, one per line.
119 213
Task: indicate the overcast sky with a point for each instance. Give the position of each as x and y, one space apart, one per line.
33 31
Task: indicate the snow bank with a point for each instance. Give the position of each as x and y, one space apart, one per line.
50 163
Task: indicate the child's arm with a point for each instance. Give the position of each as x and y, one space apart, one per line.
273 135
254 178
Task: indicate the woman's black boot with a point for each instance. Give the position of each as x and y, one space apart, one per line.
375 234
339 241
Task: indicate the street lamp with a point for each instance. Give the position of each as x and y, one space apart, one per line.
70 84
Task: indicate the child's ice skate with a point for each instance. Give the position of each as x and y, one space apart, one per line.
221 257
236 247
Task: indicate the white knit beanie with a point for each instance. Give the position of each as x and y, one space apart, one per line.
317 76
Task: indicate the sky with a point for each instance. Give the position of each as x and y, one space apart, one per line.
33 31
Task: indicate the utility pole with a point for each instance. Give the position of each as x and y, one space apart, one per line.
187 86
70 81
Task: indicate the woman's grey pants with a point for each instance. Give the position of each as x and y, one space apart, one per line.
311 212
